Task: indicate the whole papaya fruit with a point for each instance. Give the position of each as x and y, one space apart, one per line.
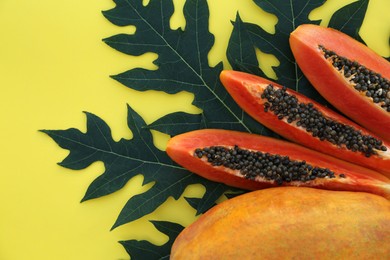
290 223
352 77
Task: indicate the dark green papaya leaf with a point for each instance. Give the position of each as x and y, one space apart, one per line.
126 159
146 250
178 68
349 18
182 61
122 160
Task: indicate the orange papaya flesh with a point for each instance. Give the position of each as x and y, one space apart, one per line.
319 128
290 223
253 162
352 77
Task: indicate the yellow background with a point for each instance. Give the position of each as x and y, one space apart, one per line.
53 66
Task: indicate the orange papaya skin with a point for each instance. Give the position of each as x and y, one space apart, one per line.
290 223
181 149
246 90
331 84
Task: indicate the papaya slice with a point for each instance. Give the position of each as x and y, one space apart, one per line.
352 77
253 162
304 121
290 223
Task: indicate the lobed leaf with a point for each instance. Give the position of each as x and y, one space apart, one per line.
125 159
182 63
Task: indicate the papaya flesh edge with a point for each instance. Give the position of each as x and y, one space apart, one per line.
331 84
246 90
290 223
181 149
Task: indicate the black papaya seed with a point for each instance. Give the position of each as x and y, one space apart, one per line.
253 164
307 116
364 80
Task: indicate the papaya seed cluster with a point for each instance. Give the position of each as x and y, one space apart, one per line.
364 80
253 164
307 116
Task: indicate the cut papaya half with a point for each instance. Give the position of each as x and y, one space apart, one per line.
348 74
253 162
306 122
